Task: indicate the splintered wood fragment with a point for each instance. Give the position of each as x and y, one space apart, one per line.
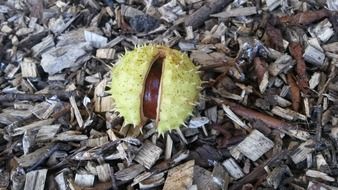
273 4
180 177
288 114
296 50
281 65
153 181
331 47
46 44
236 12
47 132
202 14
11 70
148 154
277 175
220 176
189 33
259 171
61 182
129 173
261 73
141 177
234 117
76 111
108 53
203 179
211 113
36 180
255 145
313 185
168 148
84 180
301 152
299 134
57 59
282 102
29 68
321 162
44 109
323 30
95 40
295 92
71 136
314 80
103 104
233 168
4 180
305 18
103 172
320 175
37 157
314 55
35 125
94 142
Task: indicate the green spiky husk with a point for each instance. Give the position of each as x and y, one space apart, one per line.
179 86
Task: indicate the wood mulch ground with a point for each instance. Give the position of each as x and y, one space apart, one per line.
267 119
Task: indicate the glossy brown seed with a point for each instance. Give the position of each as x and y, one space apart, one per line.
151 89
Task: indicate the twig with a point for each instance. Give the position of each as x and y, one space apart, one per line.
254 115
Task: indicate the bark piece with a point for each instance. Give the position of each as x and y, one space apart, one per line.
305 18
180 177
203 179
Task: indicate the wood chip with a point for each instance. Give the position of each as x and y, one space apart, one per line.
233 168
180 177
84 180
36 179
255 145
148 154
